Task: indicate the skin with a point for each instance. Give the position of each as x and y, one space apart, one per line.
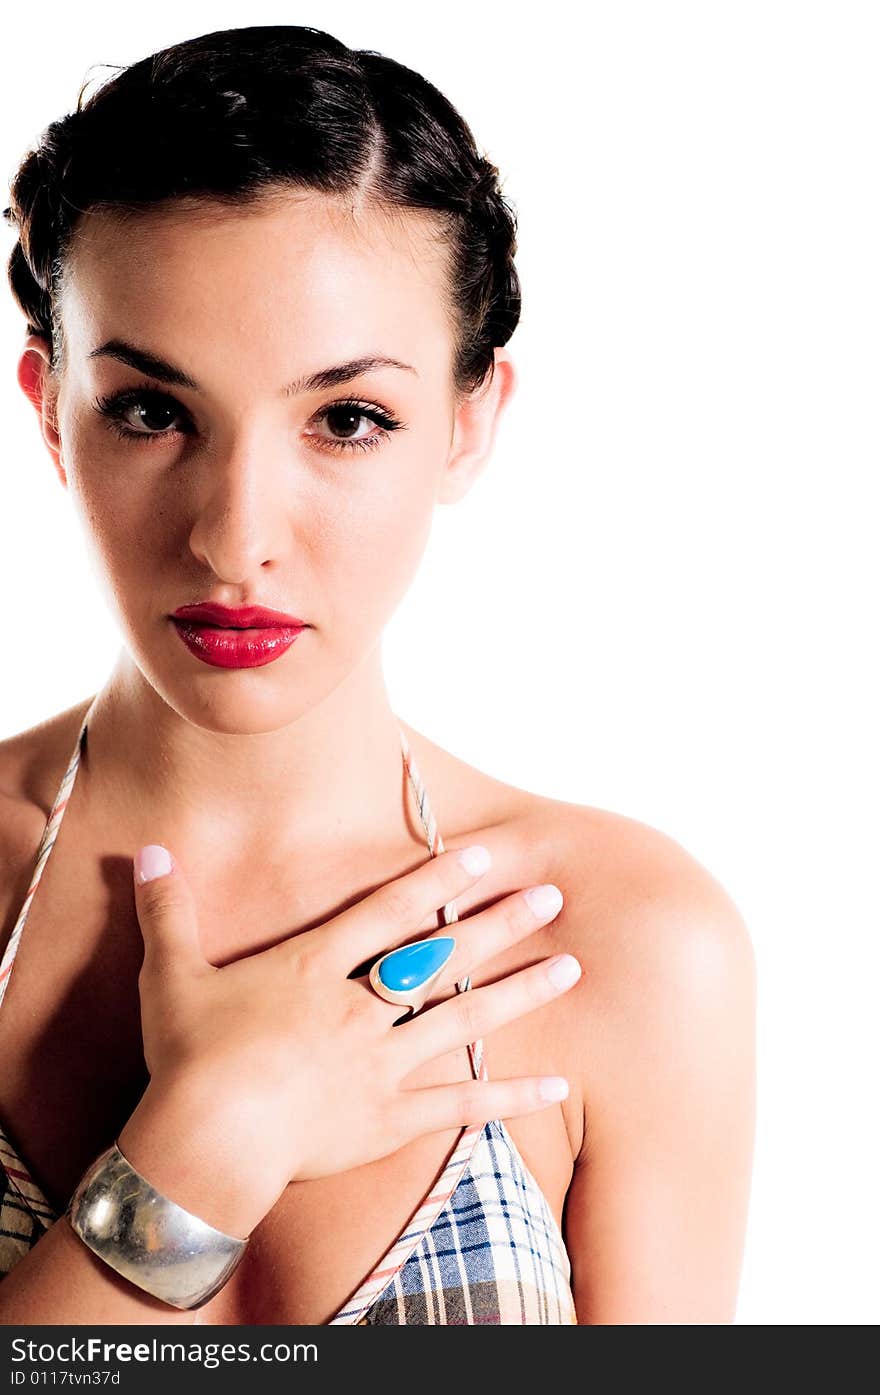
647 1164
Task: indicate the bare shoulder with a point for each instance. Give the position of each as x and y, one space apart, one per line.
660 1026
29 758
31 764
639 900
659 1038
635 900
668 984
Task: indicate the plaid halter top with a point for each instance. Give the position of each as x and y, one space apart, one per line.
483 1247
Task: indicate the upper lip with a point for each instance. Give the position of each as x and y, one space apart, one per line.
245 617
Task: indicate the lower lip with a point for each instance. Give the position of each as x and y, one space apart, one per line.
227 648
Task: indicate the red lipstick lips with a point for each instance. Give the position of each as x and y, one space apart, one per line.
244 638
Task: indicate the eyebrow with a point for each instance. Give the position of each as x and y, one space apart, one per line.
166 372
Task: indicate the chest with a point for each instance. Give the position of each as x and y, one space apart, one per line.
72 1071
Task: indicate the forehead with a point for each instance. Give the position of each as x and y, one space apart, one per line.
297 269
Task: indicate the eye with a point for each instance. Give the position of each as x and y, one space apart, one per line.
343 416
145 404
152 410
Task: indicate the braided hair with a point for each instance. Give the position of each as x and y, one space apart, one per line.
239 113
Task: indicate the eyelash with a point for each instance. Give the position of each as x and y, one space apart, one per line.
114 407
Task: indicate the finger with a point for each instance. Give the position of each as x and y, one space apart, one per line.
166 911
476 939
436 1107
392 913
479 938
478 1011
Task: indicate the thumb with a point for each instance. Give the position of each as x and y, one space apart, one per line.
166 910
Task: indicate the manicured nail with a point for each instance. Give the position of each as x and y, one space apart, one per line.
412 965
152 861
563 971
553 1087
475 859
544 900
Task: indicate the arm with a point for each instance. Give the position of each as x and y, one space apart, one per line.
656 1212
61 1281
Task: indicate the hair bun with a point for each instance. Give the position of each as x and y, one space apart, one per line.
486 186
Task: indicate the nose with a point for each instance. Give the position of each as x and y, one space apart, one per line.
239 516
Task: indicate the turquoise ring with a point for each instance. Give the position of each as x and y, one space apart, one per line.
405 975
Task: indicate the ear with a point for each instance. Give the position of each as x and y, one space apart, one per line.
476 422
40 385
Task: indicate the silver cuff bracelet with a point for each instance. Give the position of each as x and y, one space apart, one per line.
158 1245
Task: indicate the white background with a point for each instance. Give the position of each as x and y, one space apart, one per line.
689 468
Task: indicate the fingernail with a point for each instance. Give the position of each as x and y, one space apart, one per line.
544 900
553 1087
475 859
151 861
563 971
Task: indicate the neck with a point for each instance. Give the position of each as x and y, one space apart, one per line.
233 802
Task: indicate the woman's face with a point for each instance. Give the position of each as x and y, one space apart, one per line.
246 485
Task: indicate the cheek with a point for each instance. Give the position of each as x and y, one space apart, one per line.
124 559
126 534
369 551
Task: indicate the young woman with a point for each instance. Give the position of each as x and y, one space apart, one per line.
268 281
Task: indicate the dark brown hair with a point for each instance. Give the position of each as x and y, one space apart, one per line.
234 114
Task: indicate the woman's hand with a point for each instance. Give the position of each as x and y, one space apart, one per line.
283 1067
